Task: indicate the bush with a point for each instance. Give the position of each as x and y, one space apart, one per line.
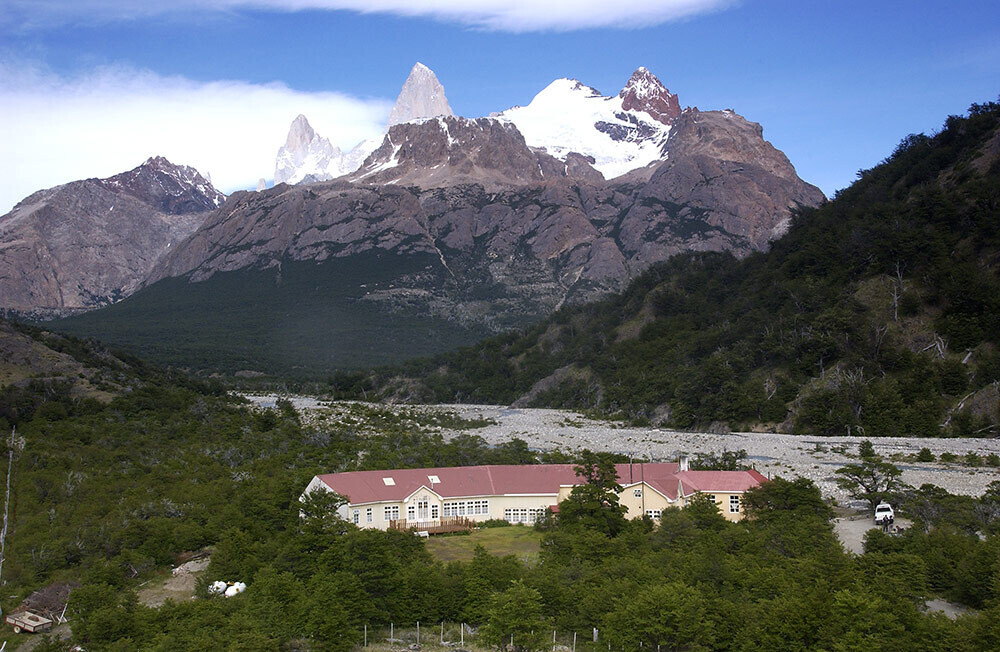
948 458
495 522
925 455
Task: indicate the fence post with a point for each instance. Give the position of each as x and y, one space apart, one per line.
366 634
442 632
574 641
553 640
462 630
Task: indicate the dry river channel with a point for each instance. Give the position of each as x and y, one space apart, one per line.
813 457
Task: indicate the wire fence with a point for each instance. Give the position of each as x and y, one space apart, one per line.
461 636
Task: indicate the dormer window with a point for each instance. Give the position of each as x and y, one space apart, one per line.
389 482
434 479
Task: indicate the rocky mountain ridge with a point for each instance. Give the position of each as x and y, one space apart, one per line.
566 120
89 243
515 233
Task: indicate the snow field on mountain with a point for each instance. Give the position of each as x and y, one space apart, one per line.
562 119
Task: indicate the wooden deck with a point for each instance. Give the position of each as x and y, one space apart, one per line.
439 526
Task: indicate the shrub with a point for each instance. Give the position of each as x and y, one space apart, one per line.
925 455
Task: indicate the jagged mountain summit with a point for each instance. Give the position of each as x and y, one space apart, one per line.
621 133
308 157
422 96
89 243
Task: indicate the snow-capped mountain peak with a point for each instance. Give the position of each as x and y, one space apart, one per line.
644 92
308 156
621 133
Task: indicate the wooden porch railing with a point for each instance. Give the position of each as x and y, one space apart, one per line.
439 526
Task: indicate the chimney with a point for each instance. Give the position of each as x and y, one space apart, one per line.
684 463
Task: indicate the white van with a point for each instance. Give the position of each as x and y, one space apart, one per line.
884 513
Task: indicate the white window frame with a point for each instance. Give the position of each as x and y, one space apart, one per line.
637 492
654 513
369 515
411 512
391 512
434 511
357 516
734 504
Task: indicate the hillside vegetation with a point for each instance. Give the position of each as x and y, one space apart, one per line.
878 313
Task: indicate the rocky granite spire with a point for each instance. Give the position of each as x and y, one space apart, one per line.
644 92
422 96
304 152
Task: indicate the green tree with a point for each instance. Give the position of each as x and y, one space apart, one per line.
516 615
873 480
671 616
595 504
866 450
797 497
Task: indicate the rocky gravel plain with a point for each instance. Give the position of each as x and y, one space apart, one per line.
813 457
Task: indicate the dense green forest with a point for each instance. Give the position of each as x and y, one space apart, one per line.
877 313
298 320
105 494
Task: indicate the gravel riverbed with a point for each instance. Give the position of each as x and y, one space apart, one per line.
813 457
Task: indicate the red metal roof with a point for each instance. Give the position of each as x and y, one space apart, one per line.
494 480
719 480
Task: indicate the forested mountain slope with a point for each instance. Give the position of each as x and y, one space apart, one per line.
878 313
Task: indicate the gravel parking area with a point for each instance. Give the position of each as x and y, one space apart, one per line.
813 457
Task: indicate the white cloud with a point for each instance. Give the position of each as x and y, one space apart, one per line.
56 130
503 15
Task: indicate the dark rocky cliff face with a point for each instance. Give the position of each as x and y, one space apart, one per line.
516 234
449 151
89 243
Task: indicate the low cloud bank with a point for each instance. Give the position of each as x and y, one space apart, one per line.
57 129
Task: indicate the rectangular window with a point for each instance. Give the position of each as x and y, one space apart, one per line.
637 493
653 513
734 504
411 512
357 516
369 516
391 513
434 512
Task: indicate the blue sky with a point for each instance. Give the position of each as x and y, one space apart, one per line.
835 85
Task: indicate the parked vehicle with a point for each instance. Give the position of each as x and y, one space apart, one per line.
884 513
27 621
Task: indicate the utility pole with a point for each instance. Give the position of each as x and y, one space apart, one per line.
6 504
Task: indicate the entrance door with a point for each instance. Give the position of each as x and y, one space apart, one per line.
422 513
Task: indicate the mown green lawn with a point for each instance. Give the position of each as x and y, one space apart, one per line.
514 540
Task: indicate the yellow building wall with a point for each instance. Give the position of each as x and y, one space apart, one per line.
648 500
497 506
